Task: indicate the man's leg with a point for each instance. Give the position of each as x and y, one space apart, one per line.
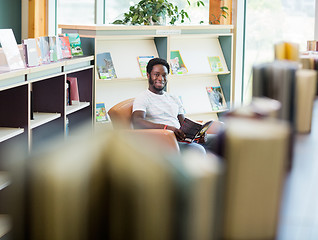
191 146
211 144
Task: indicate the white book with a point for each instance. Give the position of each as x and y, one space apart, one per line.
10 49
32 53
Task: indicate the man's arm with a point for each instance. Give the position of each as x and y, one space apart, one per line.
139 121
181 118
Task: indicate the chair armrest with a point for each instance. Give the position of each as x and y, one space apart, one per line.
164 138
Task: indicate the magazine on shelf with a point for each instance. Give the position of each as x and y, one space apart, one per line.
32 52
176 63
143 61
45 49
63 47
215 64
105 66
101 114
74 93
216 98
68 93
194 130
53 50
11 49
75 44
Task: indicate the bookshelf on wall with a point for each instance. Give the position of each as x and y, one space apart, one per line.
195 43
40 92
33 110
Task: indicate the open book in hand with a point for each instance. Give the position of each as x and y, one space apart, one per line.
194 130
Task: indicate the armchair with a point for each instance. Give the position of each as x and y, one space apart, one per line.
120 115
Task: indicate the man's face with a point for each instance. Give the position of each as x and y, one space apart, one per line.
157 78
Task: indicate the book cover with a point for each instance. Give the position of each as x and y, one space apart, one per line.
10 49
32 53
68 93
74 94
216 98
53 49
176 63
64 48
194 130
305 95
256 153
45 49
286 51
101 114
75 44
215 64
143 61
105 66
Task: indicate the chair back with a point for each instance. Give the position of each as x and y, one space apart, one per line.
120 114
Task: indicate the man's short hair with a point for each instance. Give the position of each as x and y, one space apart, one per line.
156 61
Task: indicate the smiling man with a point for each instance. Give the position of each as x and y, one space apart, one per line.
157 109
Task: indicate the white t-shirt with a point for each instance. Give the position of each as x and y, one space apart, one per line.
162 109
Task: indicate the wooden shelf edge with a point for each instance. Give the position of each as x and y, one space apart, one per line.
4 179
76 107
42 118
7 133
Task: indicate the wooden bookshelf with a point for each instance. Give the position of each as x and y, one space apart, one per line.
48 99
42 118
195 43
76 107
7 133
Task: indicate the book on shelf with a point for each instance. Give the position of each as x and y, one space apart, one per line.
68 92
216 98
45 49
310 62
105 66
101 114
194 130
63 47
215 64
312 45
277 80
74 93
142 62
91 180
75 44
202 208
256 153
11 49
306 81
286 51
53 49
32 52
176 63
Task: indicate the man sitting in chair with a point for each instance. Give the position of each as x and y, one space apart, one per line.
156 109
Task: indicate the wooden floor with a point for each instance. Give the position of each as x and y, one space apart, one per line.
299 211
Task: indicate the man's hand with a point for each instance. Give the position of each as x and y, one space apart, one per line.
179 134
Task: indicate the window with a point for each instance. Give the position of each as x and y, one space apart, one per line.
76 12
269 22
115 10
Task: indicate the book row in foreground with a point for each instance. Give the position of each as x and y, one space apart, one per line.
119 185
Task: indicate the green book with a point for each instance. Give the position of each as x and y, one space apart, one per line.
75 43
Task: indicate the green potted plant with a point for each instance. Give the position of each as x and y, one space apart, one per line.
152 12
